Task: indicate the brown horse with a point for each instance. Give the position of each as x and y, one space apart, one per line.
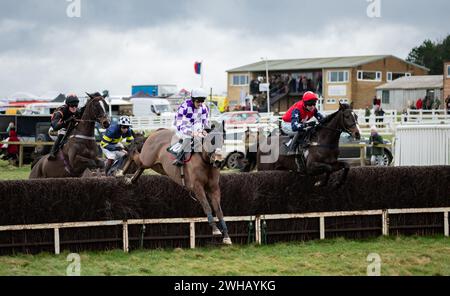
80 152
322 152
199 175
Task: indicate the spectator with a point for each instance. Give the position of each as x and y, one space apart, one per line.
304 84
379 113
12 150
447 105
436 104
292 85
254 87
405 115
319 86
375 102
367 114
10 126
377 152
419 104
427 103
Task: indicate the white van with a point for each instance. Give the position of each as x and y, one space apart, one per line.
151 107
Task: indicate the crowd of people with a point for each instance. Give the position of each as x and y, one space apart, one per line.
426 103
284 83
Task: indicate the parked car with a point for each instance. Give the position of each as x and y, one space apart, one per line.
235 151
352 154
240 117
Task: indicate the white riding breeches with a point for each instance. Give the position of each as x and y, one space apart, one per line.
286 127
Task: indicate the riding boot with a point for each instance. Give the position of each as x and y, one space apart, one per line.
178 150
55 148
108 165
294 144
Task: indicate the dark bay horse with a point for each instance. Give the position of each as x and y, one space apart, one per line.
80 152
200 174
321 155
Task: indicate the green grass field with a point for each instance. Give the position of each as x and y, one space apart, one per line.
8 172
399 256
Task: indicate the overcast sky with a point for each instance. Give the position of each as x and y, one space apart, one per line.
118 43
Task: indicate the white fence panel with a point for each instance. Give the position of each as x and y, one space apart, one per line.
422 145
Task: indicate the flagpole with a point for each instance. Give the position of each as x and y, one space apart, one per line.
202 68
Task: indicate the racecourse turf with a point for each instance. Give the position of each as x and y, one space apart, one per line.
399 256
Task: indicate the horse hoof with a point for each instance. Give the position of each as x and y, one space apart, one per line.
128 181
318 184
227 241
119 173
216 232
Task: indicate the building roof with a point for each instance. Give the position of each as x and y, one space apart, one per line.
415 82
315 63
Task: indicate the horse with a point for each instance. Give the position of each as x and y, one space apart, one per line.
81 150
199 175
320 155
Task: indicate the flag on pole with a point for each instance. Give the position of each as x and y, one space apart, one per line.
198 68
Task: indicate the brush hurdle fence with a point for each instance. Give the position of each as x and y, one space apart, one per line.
384 215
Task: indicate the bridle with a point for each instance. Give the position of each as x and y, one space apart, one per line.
339 130
97 118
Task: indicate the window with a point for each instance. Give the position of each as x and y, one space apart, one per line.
337 76
385 97
240 80
396 75
343 101
448 71
369 75
331 101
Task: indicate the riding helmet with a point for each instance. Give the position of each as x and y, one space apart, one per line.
198 94
310 98
72 100
125 120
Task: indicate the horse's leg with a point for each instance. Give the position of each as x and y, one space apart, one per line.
87 174
318 168
126 166
200 194
339 166
80 163
214 194
135 177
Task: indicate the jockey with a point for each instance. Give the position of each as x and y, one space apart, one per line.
295 120
61 119
111 142
190 121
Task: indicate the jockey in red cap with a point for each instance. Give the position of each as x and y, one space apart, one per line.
295 119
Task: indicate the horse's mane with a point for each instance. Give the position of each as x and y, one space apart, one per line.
330 117
333 115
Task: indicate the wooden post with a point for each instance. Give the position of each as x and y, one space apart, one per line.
20 155
192 234
322 228
446 229
385 221
362 151
258 230
57 243
125 236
